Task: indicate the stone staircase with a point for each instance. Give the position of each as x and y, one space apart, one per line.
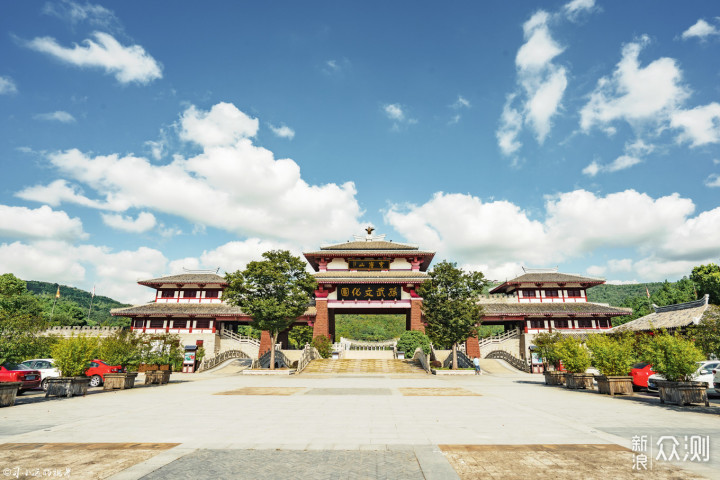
363 366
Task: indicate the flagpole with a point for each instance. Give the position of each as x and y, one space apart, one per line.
91 302
57 295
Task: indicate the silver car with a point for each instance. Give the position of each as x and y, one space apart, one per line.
47 369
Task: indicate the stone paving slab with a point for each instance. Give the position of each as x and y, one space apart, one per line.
349 391
263 391
437 392
282 464
559 462
73 460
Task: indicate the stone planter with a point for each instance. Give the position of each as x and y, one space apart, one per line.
157 377
119 381
8 392
554 378
611 385
67 386
682 393
576 381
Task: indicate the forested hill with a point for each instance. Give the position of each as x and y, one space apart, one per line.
73 305
616 295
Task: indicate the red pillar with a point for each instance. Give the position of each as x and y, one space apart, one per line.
265 342
416 315
322 322
472 346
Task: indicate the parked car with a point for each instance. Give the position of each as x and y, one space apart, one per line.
45 366
97 370
640 373
716 379
702 374
12 372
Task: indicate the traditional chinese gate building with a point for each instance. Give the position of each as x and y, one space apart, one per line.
368 275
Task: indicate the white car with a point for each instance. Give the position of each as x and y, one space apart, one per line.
704 374
46 367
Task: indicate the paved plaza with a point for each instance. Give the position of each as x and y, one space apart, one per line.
397 426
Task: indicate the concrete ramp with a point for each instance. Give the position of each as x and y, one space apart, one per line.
363 367
498 367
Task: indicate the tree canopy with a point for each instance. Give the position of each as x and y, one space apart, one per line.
450 304
274 292
707 280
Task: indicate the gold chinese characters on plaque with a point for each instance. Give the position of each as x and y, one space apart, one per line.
369 264
368 292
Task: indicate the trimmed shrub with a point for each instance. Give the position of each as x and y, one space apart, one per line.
72 355
574 355
674 357
323 345
122 348
545 343
410 340
612 356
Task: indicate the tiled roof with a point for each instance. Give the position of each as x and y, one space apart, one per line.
372 245
181 309
564 309
548 277
671 316
391 276
187 278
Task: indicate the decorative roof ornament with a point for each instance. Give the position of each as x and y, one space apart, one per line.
369 237
188 270
540 270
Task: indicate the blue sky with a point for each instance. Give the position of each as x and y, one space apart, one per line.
138 138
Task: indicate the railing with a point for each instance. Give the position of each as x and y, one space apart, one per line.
264 360
420 356
510 334
207 364
239 338
462 360
309 354
515 362
348 344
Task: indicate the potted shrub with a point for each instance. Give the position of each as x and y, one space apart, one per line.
576 359
675 359
159 353
613 357
120 349
545 343
72 356
8 392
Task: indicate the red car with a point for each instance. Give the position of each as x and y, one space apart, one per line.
12 372
640 373
97 370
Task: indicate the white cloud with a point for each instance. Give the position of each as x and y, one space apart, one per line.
232 184
634 93
282 131
460 103
510 127
575 7
223 125
157 148
713 180
128 64
42 222
60 191
396 113
541 84
58 116
576 224
596 270
700 125
7 86
145 221
701 29
231 256
75 13
621 163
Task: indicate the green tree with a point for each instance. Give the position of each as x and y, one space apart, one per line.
545 343
72 355
450 304
121 348
707 280
674 357
410 340
21 322
274 292
574 355
300 335
707 333
612 355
